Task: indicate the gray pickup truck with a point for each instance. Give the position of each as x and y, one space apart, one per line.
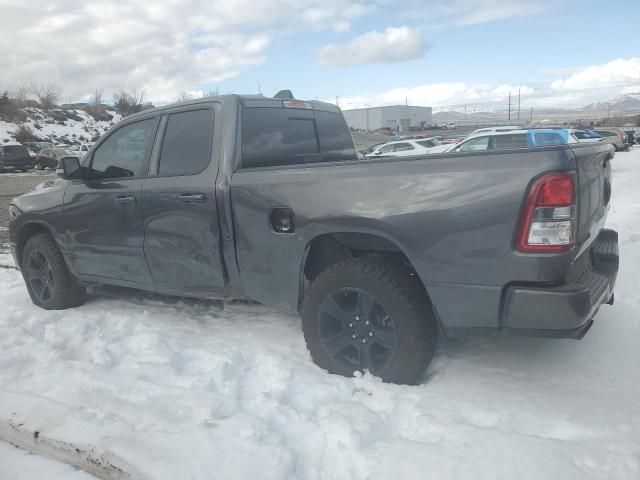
264 198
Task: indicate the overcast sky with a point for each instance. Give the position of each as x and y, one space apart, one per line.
367 52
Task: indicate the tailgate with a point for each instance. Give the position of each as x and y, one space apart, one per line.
593 165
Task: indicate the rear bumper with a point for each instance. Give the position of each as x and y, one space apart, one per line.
565 311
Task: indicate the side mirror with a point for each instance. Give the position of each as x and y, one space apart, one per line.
70 167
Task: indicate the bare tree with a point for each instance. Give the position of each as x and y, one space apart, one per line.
127 103
184 97
211 93
20 92
96 98
47 95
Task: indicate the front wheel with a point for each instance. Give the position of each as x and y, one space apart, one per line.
49 282
369 314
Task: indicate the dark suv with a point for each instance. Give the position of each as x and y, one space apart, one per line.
15 157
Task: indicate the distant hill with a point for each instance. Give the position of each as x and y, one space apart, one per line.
623 104
629 102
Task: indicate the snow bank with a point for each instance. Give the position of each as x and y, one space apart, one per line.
200 390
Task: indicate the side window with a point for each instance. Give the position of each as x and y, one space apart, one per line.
501 142
402 147
387 148
545 138
336 144
426 143
186 146
125 152
474 145
277 136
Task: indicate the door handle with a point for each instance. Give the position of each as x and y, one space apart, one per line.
125 199
192 197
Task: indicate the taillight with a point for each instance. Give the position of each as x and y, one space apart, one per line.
621 136
1 152
548 217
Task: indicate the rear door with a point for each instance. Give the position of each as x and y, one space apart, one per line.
182 235
103 214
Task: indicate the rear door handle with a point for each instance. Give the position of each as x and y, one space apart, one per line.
192 197
125 199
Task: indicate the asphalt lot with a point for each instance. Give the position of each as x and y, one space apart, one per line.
12 185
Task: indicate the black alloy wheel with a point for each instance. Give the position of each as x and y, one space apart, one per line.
39 274
357 331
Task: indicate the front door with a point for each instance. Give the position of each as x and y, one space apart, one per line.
103 213
182 235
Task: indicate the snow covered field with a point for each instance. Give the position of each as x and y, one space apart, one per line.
167 389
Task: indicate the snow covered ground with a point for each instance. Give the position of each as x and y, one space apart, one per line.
169 389
18 464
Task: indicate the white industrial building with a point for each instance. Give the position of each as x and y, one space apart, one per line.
396 117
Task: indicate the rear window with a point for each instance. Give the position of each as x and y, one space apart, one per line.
14 148
606 133
546 138
509 141
283 136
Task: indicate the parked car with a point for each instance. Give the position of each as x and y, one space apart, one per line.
82 150
15 156
502 128
404 148
630 136
453 139
35 147
614 136
501 140
50 157
379 256
585 136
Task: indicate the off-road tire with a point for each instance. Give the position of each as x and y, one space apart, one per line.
67 292
402 296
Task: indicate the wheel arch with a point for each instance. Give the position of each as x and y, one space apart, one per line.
28 230
329 248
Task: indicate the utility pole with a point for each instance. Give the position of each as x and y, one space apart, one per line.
259 89
337 103
518 105
531 116
509 110
465 113
608 110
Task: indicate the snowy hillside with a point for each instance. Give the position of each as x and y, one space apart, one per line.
69 126
629 102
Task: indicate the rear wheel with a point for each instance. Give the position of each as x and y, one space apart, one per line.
39 166
369 314
49 282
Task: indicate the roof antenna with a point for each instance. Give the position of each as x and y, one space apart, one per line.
284 94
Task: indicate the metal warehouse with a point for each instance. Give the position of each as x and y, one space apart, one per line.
396 117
